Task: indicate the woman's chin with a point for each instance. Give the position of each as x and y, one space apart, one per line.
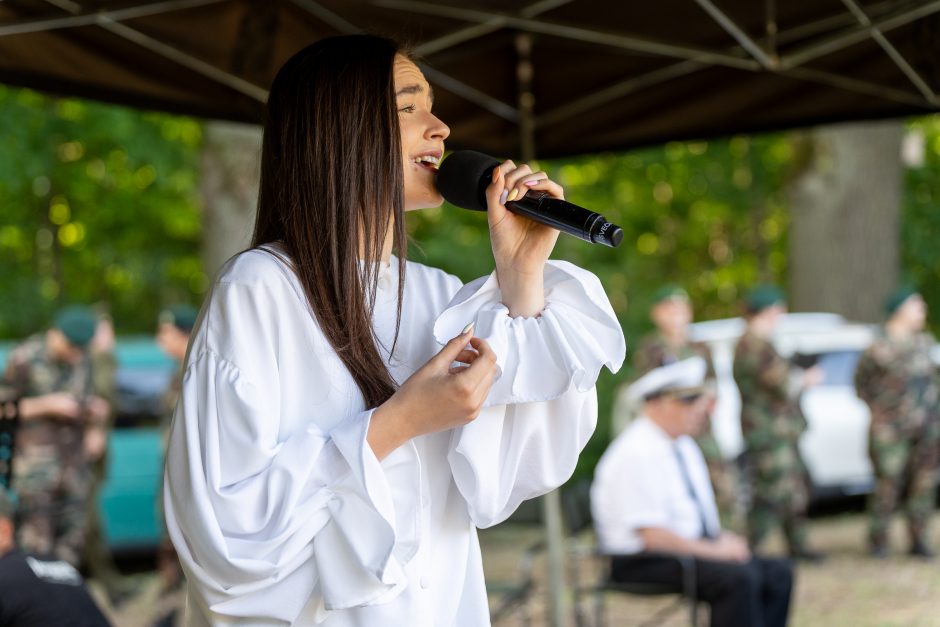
427 201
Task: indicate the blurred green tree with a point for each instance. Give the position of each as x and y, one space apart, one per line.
920 215
99 205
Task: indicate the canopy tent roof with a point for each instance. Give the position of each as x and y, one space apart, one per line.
577 76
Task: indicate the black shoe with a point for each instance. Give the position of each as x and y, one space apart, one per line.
921 550
809 556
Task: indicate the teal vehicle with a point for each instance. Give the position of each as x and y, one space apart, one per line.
128 500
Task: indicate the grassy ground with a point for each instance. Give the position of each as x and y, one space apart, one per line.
848 589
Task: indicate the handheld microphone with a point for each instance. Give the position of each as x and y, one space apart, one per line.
464 176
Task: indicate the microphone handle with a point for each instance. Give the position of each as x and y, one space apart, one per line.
568 218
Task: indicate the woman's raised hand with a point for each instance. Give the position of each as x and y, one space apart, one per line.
437 396
520 246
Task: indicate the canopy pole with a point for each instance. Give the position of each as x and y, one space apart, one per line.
892 52
169 52
526 99
574 33
551 502
80 18
732 28
476 31
770 29
853 36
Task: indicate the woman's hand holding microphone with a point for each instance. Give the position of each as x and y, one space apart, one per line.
520 246
440 396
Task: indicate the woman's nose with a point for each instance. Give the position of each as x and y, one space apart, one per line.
437 129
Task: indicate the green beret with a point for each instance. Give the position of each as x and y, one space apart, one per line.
77 323
668 292
763 297
897 298
7 503
183 317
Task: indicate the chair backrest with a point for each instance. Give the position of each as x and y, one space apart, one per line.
576 506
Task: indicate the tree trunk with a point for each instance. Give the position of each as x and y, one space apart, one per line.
844 236
229 189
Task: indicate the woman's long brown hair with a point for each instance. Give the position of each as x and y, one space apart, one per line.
332 185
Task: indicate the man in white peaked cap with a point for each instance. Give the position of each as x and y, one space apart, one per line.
652 496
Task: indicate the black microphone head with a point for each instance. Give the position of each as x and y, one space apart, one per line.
463 177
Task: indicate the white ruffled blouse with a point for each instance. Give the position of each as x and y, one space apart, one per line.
278 508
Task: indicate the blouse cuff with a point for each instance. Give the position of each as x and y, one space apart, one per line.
539 358
375 526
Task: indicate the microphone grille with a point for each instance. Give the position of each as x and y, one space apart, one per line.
463 178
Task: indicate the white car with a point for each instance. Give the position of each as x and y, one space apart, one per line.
835 445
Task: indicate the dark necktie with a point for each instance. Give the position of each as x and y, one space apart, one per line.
683 469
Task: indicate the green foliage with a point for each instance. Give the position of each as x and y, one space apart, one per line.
99 206
920 218
710 216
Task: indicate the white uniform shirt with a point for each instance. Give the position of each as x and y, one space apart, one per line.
638 483
278 508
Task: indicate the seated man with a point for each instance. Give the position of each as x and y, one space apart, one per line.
651 495
37 592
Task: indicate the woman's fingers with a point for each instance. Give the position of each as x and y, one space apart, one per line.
467 356
541 182
512 187
451 351
477 378
496 210
516 181
485 361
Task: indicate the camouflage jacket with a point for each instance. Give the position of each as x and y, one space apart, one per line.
31 372
654 351
770 408
899 382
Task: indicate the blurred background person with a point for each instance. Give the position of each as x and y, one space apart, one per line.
97 555
61 399
174 326
669 343
36 591
897 379
772 423
652 500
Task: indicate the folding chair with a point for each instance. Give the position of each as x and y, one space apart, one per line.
576 509
514 595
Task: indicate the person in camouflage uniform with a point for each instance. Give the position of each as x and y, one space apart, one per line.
173 330
898 381
772 423
53 376
672 314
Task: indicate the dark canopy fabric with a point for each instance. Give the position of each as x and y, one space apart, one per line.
587 75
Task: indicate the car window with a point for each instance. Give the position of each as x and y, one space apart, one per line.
142 378
839 367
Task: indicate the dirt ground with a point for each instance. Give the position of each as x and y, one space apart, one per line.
849 588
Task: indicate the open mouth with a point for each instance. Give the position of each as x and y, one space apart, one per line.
428 162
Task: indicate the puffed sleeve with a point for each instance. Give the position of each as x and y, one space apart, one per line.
542 409
272 520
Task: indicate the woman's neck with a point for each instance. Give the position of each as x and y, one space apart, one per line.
387 247
386 254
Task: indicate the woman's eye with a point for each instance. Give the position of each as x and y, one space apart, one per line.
407 109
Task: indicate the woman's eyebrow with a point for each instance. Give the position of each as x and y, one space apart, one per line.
415 89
